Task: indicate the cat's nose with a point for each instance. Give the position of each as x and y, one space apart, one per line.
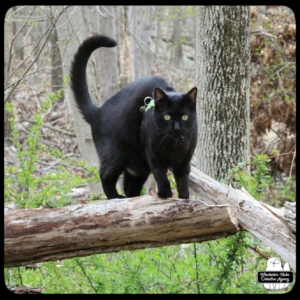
177 126
176 130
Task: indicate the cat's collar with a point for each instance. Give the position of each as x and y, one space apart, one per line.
149 102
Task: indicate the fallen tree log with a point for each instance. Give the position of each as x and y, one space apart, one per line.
125 224
263 221
36 235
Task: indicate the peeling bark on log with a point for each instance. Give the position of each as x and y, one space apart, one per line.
263 221
36 235
290 214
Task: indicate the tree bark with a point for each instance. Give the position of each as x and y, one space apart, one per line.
56 63
142 62
19 30
222 75
35 235
106 62
124 45
176 59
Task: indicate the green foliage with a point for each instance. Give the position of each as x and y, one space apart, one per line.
25 183
166 270
172 180
258 181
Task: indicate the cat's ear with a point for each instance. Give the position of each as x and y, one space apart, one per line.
193 94
158 93
160 98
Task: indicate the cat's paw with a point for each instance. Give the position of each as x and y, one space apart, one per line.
183 196
165 194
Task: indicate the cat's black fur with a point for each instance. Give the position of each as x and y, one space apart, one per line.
138 143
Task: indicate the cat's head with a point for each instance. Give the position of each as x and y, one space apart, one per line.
174 112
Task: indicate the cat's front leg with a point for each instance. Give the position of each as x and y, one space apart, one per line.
181 175
163 183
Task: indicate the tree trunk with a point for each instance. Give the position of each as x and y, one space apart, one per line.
106 61
142 61
72 31
222 74
56 63
19 30
35 235
176 47
9 34
124 45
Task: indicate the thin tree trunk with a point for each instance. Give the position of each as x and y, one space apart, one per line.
9 34
124 45
18 42
223 60
176 58
106 61
56 63
142 62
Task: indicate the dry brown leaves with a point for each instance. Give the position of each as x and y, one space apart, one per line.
273 105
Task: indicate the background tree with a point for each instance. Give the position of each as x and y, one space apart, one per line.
56 62
223 76
106 65
140 20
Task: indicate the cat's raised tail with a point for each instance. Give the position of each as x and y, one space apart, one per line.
78 73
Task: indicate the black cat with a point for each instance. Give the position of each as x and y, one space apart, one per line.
129 140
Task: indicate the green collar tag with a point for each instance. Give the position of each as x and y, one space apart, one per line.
149 102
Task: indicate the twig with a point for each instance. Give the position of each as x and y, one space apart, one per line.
68 19
52 128
47 33
60 130
258 252
11 47
103 15
20 276
292 162
197 275
50 165
88 278
263 33
278 135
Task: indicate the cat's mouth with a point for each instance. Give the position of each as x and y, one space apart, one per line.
177 137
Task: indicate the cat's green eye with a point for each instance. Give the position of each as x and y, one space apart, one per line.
184 117
167 117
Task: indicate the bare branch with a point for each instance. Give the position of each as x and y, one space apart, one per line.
47 33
